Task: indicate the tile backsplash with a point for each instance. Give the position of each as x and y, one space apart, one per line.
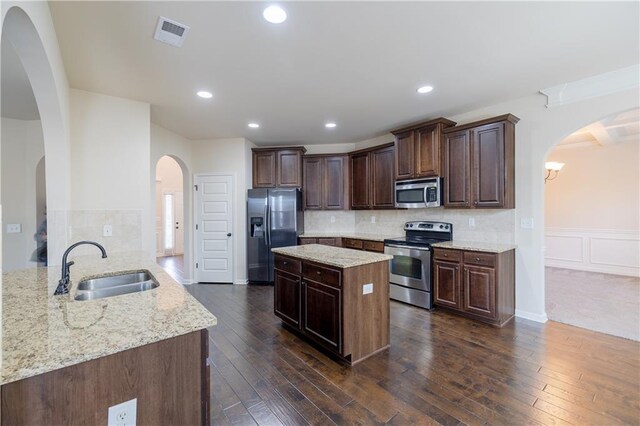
494 226
88 225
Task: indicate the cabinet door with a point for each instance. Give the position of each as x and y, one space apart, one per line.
360 181
487 172
289 169
427 152
479 291
264 169
322 314
456 169
446 276
306 240
334 183
287 295
382 178
313 178
404 156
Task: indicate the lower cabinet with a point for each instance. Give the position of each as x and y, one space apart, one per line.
325 241
327 305
475 284
366 245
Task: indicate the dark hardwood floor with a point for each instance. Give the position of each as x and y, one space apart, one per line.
440 369
174 265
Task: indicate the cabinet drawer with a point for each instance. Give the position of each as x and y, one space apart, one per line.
327 241
352 244
321 274
376 246
444 254
287 264
477 258
306 240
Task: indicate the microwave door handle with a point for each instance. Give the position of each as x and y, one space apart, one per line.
426 200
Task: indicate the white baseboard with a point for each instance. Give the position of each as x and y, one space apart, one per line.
187 282
531 316
241 282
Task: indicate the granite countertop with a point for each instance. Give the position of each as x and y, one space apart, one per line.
358 236
42 333
334 256
476 246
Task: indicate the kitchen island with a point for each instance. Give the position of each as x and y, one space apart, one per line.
337 298
67 361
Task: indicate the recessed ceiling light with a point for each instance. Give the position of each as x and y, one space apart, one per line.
330 125
204 94
275 14
254 125
424 89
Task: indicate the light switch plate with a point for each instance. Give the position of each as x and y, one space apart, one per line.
333 219
123 414
14 228
107 231
373 219
367 288
472 222
526 223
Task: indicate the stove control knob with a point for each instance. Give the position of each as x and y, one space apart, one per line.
446 226
441 226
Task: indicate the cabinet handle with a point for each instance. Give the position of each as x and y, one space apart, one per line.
318 272
446 255
285 262
475 203
477 259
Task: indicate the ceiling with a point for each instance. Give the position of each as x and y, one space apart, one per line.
615 129
356 63
17 100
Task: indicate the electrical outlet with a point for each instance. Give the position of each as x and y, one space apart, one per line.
472 222
333 219
14 228
367 288
123 414
373 219
526 223
107 231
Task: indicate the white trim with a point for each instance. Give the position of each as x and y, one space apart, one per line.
234 177
591 87
187 282
241 282
542 318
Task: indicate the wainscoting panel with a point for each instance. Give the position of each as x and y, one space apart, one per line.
594 250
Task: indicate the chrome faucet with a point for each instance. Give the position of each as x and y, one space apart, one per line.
63 284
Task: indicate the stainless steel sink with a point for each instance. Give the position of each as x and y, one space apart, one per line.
115 285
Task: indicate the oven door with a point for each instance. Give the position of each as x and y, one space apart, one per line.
410 266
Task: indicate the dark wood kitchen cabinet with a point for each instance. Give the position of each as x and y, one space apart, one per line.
277 167
325 241
478 163
372 178
326 182
327 305
418 147
475 284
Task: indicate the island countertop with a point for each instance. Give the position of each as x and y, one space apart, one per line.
42 333
334 256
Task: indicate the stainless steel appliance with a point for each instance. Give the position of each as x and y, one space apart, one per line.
274 219
419 193
410 268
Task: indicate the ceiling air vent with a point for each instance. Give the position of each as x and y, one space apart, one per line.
170 32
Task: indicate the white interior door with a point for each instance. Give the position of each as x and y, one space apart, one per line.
179 222
214 226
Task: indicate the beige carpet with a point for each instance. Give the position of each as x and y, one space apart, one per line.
600 302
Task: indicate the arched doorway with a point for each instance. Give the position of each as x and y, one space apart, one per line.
592 227
170 217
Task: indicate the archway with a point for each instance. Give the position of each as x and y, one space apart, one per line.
172 218
49 88
592 227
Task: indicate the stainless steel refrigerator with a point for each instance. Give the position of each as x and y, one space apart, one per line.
274 219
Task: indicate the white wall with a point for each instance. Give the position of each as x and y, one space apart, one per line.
592 209
110 140
165 142
231 156
22 148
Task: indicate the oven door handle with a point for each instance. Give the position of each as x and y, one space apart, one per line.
408 248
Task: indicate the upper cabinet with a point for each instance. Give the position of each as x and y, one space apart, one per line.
372 178
478 161
277 167
326 182
418 147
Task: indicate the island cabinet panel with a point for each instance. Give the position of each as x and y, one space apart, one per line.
476 284
335 313
417 149
169 379
277 167
326 182
287 289
478 162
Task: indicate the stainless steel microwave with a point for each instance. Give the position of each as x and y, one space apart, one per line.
419 193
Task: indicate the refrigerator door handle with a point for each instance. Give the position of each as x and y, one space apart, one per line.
267 225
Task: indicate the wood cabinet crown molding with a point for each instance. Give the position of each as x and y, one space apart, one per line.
280 148
419 125
505 117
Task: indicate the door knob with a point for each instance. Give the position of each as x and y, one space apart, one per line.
229 234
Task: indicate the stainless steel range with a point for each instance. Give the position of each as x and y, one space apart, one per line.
410 268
